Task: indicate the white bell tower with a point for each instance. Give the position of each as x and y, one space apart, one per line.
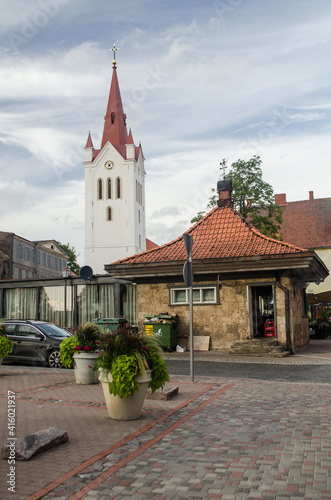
115 225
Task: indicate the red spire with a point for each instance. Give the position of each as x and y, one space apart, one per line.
130 138
115 120
89 143
138 149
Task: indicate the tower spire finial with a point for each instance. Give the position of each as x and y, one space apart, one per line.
114 50
223 166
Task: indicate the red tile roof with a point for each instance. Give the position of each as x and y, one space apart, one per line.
221 234
150 244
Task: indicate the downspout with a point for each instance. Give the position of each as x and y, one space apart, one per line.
117 299
289 343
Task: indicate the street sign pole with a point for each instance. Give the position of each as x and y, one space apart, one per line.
188 278
191 333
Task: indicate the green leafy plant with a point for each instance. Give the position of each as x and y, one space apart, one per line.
6 345
126 354
85 339
67 350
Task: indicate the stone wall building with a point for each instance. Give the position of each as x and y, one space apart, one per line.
263 281
24 259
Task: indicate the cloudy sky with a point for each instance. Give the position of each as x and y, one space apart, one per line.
200 81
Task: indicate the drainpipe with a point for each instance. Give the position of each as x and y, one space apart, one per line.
289 343
117 297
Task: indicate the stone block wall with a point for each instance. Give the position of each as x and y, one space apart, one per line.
229 320
224 322
299 321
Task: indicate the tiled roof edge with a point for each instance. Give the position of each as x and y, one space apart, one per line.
261 235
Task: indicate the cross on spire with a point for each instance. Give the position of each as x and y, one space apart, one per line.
114 50
223 166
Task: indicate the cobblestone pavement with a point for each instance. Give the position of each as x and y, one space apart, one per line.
219 438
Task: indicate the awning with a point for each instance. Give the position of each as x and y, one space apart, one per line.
318 298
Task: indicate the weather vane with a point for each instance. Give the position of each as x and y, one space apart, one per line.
114 50
223 166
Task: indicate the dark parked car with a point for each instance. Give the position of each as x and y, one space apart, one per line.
35 341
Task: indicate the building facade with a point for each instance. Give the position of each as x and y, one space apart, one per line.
115 225
263 281
68 302
307 223
24 259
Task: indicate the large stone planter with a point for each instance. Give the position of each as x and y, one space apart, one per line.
128 408
83 365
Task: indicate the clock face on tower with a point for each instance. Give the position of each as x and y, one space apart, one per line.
109 165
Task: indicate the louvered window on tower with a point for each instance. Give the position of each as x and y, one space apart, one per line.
118 188
109 189
109 214
100 189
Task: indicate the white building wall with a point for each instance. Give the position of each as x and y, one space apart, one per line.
325 255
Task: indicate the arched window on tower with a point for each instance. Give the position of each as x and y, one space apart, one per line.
118 188
100 189
139 241
109 214
109 194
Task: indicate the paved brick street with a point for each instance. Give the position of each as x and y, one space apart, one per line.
219 438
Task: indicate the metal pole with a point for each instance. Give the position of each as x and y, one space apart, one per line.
65 302
191 333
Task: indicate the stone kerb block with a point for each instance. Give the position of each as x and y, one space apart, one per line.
26 448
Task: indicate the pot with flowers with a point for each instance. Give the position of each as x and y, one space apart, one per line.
129 363
6 345
80 351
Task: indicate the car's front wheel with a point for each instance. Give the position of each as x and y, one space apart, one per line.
54 360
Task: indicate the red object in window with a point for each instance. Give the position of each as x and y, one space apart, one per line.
269 329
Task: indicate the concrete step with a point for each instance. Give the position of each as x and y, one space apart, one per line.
259 348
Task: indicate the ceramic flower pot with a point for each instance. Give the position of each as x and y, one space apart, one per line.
128 408
83 366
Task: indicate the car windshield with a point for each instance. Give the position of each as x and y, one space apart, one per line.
53 330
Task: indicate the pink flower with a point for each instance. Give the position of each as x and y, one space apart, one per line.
87 348
78 348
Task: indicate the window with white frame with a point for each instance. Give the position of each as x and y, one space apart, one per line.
201 295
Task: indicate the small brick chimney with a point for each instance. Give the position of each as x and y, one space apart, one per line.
224 189
280 199
311 195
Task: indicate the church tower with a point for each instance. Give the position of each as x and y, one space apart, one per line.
115 225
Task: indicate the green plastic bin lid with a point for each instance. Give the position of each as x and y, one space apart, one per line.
109 320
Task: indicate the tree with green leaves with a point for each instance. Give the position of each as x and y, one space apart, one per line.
252 197
71 252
